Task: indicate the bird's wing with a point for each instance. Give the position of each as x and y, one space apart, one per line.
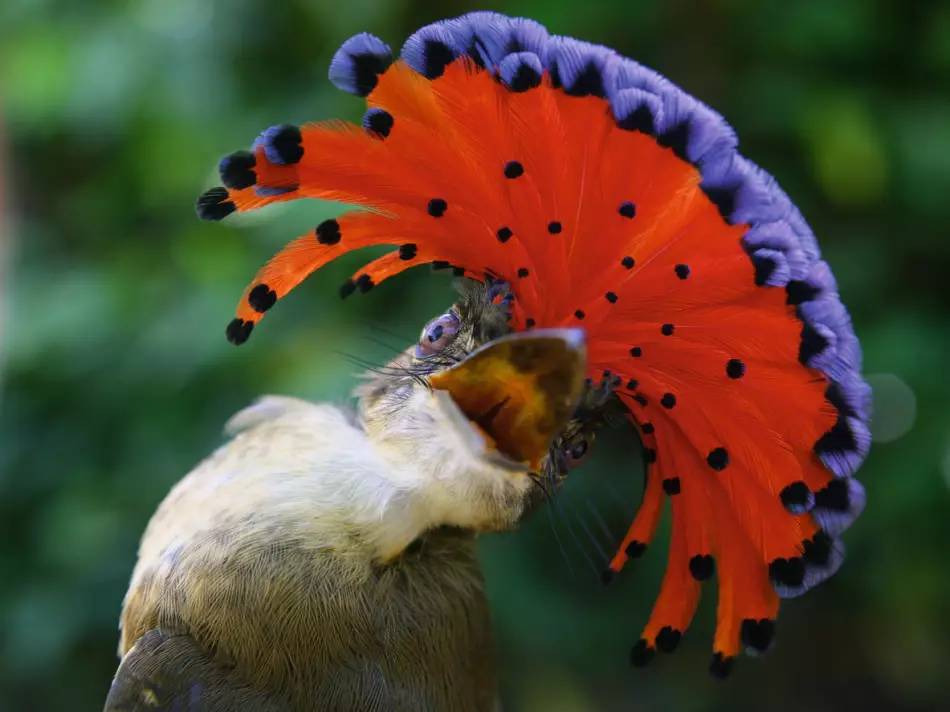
167 671
266 409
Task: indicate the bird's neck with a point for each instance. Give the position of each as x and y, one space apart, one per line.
438 476
319 473
366 486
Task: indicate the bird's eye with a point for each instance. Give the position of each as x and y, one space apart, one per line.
579 449
438 334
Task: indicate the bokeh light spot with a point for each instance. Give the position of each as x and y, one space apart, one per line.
895 407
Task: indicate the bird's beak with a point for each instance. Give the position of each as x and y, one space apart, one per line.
515 394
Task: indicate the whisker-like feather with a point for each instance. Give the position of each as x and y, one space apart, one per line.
590 535
600 520
557 538
385 344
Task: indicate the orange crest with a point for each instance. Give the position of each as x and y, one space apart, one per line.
610 200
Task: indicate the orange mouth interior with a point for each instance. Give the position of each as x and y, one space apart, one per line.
520 390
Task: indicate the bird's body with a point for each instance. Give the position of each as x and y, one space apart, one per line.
621 257
302 561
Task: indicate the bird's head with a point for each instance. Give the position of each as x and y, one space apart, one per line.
495 418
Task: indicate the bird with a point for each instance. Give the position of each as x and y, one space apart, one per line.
617 260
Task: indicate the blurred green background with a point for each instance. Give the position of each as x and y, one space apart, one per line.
116 378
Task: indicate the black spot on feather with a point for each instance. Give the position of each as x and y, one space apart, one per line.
818 548
285 141
720 667
261 298
554 73
525 78
718 459
764 267
239 331
799 292
812 343
635 549
437 57
671 486
513 169
408 251
437 207
757 634
214 205
328 232
513 46
795 495
237 170
702 567
364 283
366 69
735 368
839 439
640 119
788 572
676 139
836 495
588 83
476 51
378 121
667 639
723 198
835 395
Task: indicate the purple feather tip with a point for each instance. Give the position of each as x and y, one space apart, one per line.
778 236
356 66
581 68
429 50
815 574
520 71
637 110
839 505
485 37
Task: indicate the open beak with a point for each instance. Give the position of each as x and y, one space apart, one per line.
516 393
